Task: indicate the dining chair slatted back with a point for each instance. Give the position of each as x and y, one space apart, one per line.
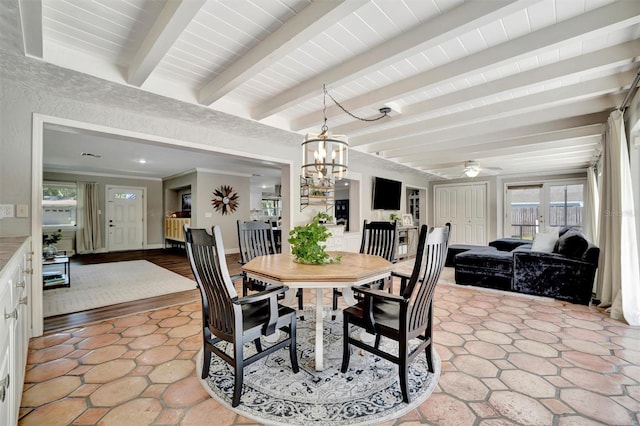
232 319
379 239
257 239
402 317
430 266
210 272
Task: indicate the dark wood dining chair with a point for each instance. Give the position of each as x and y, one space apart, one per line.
229 318
380 239
257 239
402 317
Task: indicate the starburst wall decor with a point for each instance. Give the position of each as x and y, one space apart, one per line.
225 200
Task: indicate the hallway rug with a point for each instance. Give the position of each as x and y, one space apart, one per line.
367 394
104 284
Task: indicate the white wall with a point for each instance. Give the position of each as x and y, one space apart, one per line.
206 216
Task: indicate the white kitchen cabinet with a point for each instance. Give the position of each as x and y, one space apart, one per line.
15 286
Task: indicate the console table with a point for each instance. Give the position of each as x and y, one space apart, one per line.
173 230
56 272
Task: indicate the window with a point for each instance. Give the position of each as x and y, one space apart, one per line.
59 203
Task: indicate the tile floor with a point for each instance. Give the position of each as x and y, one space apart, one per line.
506 360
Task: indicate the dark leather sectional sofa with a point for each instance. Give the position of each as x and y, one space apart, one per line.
507 264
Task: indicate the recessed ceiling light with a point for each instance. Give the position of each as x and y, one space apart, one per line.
142 161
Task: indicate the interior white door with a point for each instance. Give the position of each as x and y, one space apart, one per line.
125 219
465 207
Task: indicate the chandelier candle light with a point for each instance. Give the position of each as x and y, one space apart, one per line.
326 155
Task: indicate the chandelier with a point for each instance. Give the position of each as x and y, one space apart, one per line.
326 155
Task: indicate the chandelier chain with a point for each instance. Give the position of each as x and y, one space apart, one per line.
383 111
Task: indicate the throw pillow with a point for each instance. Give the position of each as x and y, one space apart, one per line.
572 244
545 241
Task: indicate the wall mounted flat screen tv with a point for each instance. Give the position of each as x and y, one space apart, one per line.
386 194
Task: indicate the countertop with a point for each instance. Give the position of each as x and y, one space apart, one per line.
8 247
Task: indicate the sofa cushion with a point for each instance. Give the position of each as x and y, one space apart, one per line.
566 229
507 244
455 249
545 242
499 262
572 244
523 248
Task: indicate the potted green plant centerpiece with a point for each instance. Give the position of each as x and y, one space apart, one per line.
393 217
307 242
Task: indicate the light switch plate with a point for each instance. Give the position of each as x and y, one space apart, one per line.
6 210
22 210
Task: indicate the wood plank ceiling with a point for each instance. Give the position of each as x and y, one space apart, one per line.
521 87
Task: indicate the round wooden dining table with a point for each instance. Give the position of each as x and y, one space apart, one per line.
353 269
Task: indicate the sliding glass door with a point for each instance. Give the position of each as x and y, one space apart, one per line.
540 207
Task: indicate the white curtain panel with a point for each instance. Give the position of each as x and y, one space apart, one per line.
591 210
592 207
618 269
88 238
80 248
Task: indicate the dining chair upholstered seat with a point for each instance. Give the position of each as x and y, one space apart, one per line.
257 239
229 318
379 239
404 317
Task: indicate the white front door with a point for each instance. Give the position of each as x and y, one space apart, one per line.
125 218
465 207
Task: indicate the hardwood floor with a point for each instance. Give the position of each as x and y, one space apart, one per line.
174 259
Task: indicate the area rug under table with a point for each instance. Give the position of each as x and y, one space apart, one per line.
368 393
104 284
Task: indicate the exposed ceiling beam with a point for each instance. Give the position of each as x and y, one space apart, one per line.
490 149
584 153
588 89
543 142
600 60
31 20
615 15
471 131
525 130
311 21
172 21
459 21
546 170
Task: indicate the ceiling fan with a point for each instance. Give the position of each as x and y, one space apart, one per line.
473 169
